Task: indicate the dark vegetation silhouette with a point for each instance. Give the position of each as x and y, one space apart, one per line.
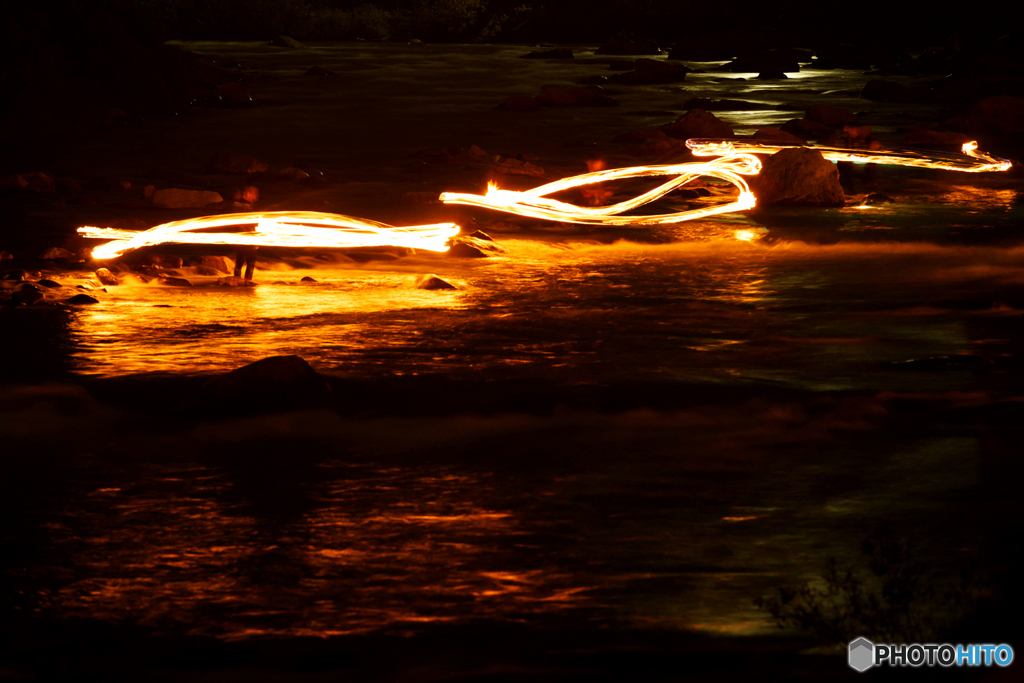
891 597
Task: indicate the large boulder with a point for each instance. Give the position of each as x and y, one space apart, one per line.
698 123
275 384
797 177
106 277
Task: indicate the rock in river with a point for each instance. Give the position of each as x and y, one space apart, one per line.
698 123
55 253
797 177
82 300
433 282
272 384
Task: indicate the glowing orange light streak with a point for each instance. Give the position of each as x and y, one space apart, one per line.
275 229
535 203
970 161
735 159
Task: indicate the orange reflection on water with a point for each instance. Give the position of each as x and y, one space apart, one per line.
428 553
141 328
160 556
381 548
973 197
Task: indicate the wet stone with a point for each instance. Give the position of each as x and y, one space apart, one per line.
27 296
308 279
285 41
877 199
82 300
433 282
463 250
269 385
698 123
54 253
797 176
218 263
205 270
173 282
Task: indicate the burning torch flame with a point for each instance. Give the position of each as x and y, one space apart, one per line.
970 161
536 204
275 229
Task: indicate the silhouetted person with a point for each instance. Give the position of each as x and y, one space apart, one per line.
246 256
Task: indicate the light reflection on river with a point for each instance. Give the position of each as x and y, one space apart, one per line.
840 316
320 524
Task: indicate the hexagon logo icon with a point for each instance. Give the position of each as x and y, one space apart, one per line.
862 654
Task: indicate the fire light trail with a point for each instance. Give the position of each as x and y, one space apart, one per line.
275 229
731 167
735 159
970 161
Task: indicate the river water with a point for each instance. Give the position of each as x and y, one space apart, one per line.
630 427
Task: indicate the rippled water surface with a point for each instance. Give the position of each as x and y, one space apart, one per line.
786 363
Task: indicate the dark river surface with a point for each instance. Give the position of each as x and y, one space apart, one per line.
629 429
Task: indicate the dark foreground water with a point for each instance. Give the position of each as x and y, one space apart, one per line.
634 433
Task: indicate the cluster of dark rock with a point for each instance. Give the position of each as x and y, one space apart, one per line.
58 277
234 179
